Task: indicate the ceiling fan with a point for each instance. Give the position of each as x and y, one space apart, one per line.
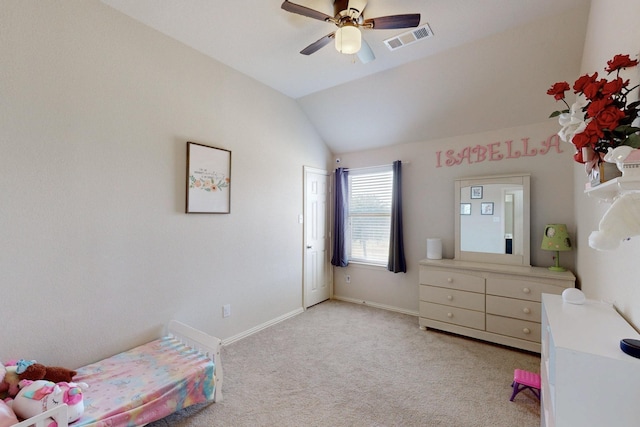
349 19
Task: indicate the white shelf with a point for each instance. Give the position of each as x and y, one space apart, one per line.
608 191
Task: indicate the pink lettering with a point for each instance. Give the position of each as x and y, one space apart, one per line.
451 161
510 153
495 151
480 152
465 154
533 152
552 141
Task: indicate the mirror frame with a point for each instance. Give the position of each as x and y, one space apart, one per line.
494 258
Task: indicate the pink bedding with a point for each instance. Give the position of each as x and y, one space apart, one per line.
145 384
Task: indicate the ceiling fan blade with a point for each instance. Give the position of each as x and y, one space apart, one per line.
305 11
357 7
319 44
365 54
393 21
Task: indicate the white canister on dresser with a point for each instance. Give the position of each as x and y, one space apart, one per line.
434 248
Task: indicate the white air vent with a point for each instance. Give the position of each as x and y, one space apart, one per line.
409 37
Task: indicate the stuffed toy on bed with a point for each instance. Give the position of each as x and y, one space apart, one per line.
37 371
7 416
3 386
39 396
9 386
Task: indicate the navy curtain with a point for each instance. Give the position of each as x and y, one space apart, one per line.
397 261
340 206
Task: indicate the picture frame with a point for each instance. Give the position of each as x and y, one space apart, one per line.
465 208
476 192
208 179
486 208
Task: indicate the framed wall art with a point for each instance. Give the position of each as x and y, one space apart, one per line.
208 179
486 208
476 192
465 208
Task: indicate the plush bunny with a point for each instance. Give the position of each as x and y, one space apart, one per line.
621 221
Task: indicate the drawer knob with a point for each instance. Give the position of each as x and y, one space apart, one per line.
526 331
526 290
527 310
450 297
450 279
449 315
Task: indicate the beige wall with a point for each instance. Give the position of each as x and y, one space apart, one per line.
557 189
613 275
428 204
428 196
97 253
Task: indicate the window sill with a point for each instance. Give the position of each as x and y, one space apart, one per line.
362 264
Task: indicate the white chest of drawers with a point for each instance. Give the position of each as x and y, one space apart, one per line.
587 380
492 302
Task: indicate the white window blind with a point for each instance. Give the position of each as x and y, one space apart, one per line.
370 214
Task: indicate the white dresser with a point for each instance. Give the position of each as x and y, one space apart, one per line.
492 302
587 380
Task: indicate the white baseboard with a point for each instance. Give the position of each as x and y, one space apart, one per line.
377 305
262 326
293 313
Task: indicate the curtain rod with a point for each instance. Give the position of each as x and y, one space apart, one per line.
375 167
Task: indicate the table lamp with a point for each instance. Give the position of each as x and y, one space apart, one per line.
556 238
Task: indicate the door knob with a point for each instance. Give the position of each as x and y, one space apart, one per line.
309 246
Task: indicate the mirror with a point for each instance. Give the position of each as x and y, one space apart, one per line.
492 219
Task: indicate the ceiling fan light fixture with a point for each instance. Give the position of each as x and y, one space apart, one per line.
348 39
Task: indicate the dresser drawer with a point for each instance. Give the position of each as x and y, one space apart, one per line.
455 315
520 309
452 280
522 329
452 297
515 288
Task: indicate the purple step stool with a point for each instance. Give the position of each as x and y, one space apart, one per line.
524 379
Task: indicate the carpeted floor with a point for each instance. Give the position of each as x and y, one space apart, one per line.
343 364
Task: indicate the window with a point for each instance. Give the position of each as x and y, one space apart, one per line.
369 223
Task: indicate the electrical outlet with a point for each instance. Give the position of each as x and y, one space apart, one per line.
347 278
226 310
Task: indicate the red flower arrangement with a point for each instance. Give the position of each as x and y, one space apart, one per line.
602 119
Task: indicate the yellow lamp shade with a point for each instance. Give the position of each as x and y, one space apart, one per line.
556 238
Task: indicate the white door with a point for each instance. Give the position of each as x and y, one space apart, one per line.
316 241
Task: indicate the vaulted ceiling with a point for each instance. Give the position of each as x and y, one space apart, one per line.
487 65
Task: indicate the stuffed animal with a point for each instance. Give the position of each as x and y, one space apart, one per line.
38 371
7 416
621 221
10 384
36 397
3 386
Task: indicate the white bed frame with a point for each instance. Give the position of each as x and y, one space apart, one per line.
194 338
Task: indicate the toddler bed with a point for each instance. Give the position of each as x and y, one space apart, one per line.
146 383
